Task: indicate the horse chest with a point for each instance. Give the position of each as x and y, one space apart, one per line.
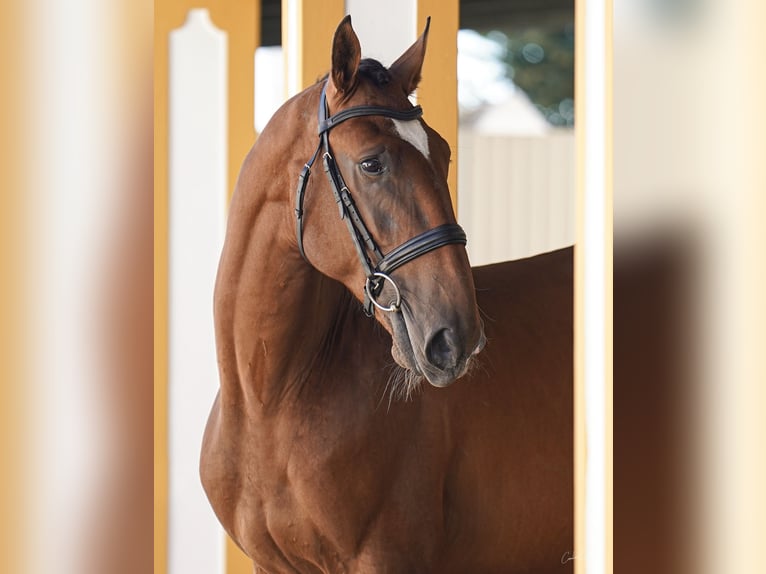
327 494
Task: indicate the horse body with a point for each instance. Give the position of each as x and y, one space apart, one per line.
308 462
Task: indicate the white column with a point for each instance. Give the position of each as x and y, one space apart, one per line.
269 84
385 31
594 245
197 198
291 46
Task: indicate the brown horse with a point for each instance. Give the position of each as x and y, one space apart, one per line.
322 454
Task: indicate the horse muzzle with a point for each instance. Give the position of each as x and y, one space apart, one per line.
446 357
443 358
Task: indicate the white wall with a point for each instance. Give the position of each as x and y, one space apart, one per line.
516 194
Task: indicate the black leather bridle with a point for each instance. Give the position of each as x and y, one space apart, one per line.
377 273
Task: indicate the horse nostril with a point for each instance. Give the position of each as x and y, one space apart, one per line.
442 350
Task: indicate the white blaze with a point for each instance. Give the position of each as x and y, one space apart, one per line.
413 133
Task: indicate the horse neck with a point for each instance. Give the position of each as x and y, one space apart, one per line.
275 316
273 313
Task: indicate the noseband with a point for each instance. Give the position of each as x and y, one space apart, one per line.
377 273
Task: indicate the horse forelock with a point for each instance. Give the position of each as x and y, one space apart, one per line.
371 69
376 72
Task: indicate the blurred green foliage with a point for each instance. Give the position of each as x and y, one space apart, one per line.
540 60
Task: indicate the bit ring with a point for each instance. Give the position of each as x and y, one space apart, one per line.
395 305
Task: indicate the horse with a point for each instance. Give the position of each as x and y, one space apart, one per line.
337 441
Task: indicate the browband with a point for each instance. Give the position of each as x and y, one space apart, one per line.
326 124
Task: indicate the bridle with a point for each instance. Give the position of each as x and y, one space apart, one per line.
377 273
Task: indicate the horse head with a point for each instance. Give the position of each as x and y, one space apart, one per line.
396 244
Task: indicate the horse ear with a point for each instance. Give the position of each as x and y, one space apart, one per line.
407 68
346 54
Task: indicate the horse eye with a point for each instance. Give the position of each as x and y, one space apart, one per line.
372 166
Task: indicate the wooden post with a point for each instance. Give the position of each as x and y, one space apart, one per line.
437 92
241 21
307 30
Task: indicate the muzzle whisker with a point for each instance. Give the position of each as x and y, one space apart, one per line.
483 313
401 385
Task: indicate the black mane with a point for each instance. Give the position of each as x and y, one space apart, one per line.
375 71
371 69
